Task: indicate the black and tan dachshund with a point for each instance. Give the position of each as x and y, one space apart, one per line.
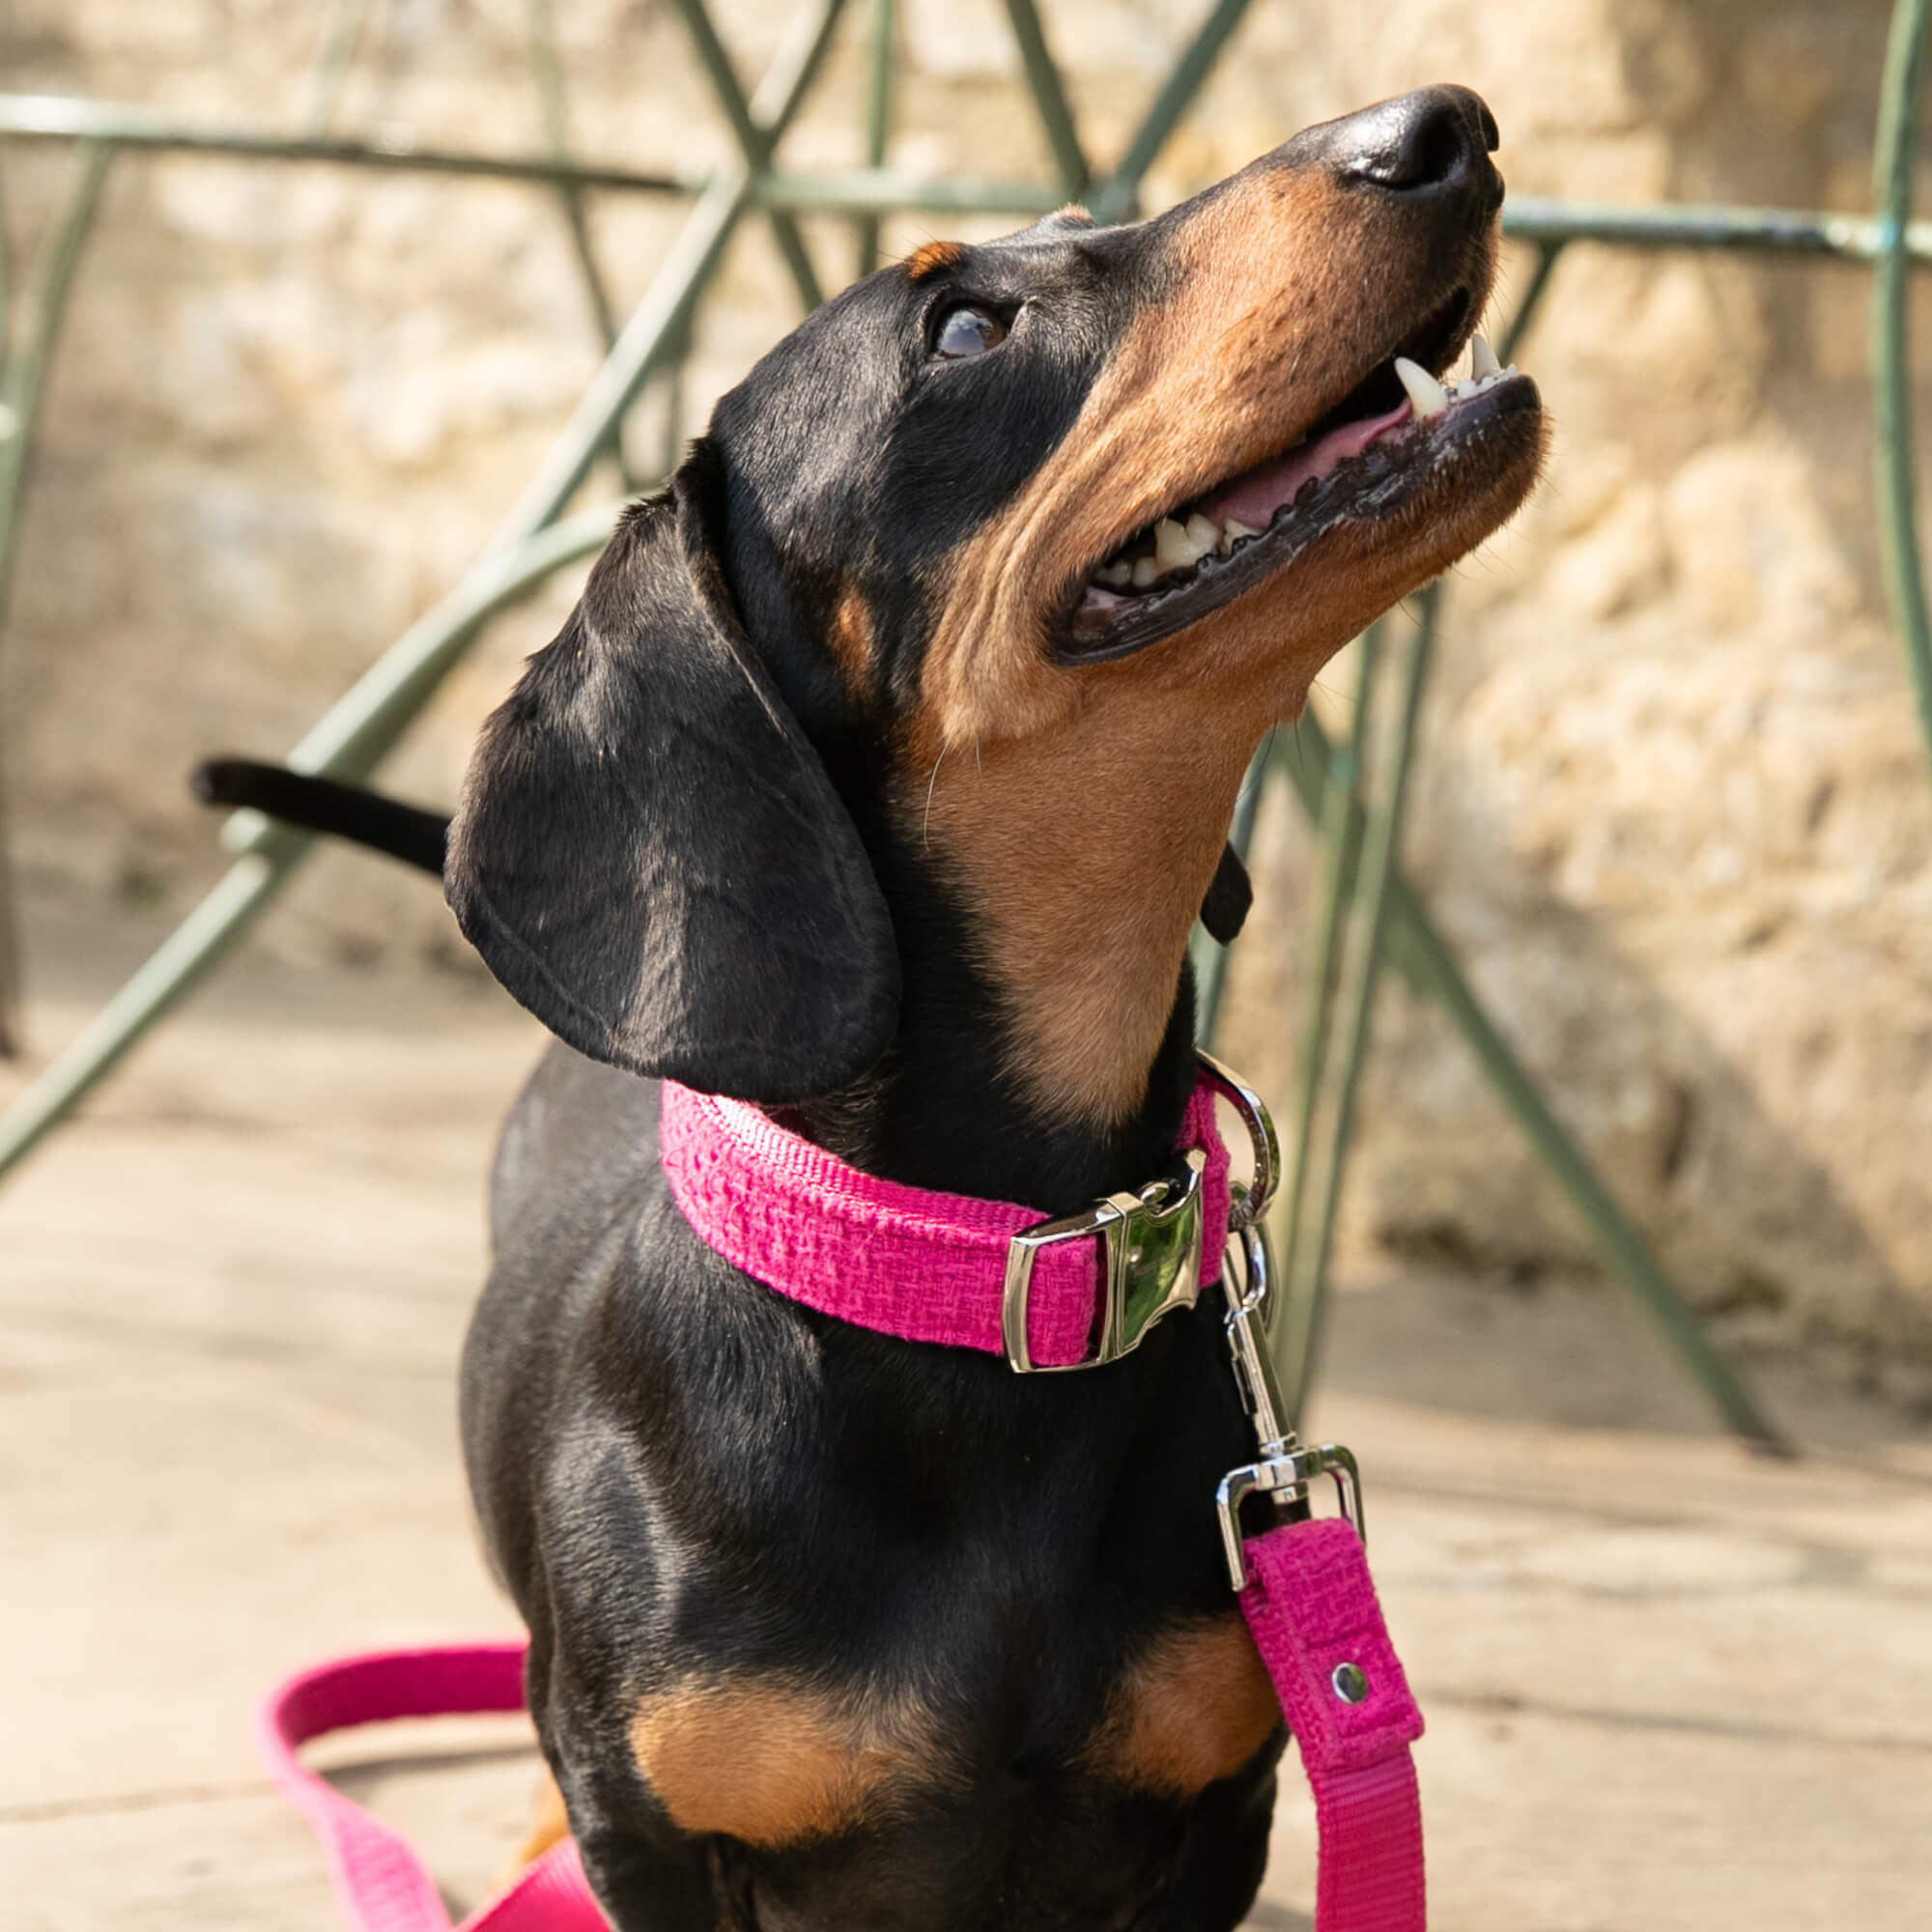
877 780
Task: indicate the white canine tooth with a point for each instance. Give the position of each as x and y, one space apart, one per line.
1170 549
1232 533
1482 358
1204 535
1144 573
1426 395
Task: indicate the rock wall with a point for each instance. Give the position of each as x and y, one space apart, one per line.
1671 806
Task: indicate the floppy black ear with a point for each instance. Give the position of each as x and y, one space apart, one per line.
649 854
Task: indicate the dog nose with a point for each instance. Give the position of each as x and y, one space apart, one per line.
1435 141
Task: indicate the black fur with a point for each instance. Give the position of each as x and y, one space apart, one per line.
405 832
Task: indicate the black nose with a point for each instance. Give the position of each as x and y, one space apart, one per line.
1434 141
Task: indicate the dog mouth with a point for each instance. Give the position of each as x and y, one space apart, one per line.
1402 428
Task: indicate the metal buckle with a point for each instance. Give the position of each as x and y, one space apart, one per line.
1152 1240
1152 1243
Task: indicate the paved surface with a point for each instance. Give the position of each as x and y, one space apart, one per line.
1667 1685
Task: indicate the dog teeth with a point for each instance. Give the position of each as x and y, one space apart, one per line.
1426 395
1485 373
1176 546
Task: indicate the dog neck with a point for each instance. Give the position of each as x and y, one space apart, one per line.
1042 890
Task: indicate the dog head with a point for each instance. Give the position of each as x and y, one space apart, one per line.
1082 512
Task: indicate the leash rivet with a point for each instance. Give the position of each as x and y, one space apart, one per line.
1351 1682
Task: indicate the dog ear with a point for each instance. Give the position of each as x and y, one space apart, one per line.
649 854
1225 908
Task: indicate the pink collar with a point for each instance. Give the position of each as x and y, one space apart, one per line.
946 1267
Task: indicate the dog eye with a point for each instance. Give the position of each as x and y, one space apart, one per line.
967 331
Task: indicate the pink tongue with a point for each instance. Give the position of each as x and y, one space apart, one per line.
1256 498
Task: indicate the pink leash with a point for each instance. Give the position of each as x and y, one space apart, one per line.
379 1883
937 1268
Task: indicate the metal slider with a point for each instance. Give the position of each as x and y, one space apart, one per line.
1287 1477
1151 1243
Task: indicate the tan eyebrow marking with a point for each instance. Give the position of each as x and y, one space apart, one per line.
933 258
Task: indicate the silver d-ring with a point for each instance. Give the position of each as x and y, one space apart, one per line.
1245 1209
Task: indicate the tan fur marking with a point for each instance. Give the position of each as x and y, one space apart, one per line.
1080 920
934 258
1195 1708
850 641
773 1763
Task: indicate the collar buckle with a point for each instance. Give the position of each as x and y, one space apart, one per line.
1151 1243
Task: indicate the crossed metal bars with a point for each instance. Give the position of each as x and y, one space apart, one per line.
1366 911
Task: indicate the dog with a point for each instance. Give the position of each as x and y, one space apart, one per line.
877 780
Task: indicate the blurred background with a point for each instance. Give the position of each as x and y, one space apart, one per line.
1671 810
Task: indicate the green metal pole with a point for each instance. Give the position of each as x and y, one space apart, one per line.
881 58
182 961
1049 94
1772 231
1893 160
1338 832
31 117
654 329
6 286
373 715
1547 255
755 142
1306 1284
548 71
20 396
1117 197
1419 951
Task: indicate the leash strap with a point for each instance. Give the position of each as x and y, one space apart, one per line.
1316 1621
379 1883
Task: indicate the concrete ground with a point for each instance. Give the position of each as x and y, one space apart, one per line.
1667 1685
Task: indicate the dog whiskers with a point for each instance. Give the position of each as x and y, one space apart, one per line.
925 823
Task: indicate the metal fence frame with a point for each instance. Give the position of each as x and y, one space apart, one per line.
1367 913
